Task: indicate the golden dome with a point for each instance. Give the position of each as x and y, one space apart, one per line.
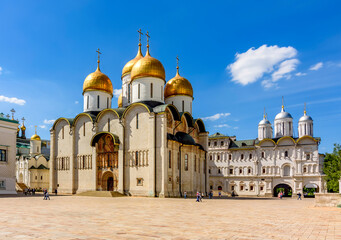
129 65
178 86
119 101
35 137
98 81
148 67
23 128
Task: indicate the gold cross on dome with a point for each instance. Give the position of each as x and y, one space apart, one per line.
35 129
140 33
98 54
147 35
177 61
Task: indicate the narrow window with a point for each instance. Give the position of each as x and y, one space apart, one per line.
250 156
232 188
128 93
97 101
199 165
231 171
218 157
308 156
286 154
151 90
305 169
240 171
161 93
251 188
37 149
186 162
249 171
242 156
170 159
195 163
263 155
183 106
178 160
264 170
209 144
63 132
138 91
87 102
261 188
241 188
136 158
222 143
230 156
137 121
84 129
190 106
209 171
108 124
211 157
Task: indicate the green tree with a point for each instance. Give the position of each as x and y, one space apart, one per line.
332 168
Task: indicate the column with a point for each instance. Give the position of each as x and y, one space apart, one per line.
52 163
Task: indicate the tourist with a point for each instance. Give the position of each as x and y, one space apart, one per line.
299 196
219 194
202 195
55 191
47 195
233 194
198 196
185 194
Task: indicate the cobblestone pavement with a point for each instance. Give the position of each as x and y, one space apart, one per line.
74 217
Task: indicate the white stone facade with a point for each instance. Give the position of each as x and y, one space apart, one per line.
8 132
181 102
259 167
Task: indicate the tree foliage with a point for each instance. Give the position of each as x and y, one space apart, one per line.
332 168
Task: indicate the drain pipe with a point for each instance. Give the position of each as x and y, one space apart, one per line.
180 169
124 151
155 155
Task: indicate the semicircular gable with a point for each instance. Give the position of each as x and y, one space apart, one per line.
306 139
68 120
134 105
188 118
201 126
267 142
102 113
97 136
286 141
79 116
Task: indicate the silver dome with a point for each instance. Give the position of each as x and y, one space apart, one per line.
282 115
264 122
305 118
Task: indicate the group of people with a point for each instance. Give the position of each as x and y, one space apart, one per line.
29 191
200 196
46 195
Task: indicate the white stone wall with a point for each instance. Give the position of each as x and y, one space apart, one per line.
283 127
305 128
91 101
181 102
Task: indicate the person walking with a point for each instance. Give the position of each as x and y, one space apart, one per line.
55 192
47 195
198 195
185 195
299 196
219 194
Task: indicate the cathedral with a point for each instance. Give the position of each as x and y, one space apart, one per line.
272 163
149 145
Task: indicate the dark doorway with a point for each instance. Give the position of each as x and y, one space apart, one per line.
284 188
220 188
110 184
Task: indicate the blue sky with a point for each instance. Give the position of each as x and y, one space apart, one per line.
240 57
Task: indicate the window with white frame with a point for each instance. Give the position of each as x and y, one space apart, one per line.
3 155
2 184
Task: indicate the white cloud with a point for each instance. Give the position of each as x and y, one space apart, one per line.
76 102
251 65
216 116
284 69
12 100
300 74
117 92
268 84
0 70
42 126
316 67
222 126
236 128
49 121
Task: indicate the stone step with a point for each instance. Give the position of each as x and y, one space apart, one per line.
100 194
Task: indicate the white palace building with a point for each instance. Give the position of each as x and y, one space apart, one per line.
269 164
149 145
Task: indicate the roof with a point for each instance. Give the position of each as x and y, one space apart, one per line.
217 135
243 144
8 120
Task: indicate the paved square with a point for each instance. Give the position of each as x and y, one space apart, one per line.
74 217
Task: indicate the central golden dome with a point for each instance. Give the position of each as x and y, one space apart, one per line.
35 137
178 86
119 101
129 65
97 81
148 67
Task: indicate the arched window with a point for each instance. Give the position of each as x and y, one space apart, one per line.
222 143
183 106
264 170
211 157
263 154
170 159
151 90
242 156
107 102
87 102
138 91
108 124
249 171
240 170
186 162
136 158
230 156
63 132
84 129
161 92
286 171
219 171
137 121
250 156
286 154
128 93
218 157
97 101
307 156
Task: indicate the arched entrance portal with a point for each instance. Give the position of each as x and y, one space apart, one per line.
310 189
284 188
106 161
